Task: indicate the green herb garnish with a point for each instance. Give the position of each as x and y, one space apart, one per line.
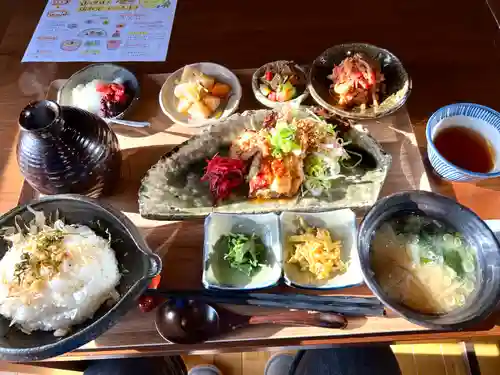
245 253
48 253
283 141
21 268
433 243
46 239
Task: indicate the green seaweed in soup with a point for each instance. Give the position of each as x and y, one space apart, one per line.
424 263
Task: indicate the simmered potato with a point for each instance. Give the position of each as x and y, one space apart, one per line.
199 94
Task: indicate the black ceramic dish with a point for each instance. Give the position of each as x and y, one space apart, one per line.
397 81
487 294
132 254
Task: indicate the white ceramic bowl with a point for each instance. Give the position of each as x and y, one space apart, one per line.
342 226
216 271
481 119
168 101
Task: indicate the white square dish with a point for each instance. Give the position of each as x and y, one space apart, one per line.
217 274
342 226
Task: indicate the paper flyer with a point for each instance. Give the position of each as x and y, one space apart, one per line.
102 30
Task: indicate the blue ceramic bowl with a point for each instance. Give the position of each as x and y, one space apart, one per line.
483 120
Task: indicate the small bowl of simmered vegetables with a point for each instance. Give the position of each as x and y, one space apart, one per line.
200 94
280 83
241 252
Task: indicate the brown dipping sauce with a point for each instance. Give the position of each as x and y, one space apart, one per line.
465 148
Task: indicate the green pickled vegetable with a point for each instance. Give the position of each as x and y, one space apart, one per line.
243 252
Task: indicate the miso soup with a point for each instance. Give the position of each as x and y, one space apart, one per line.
423 263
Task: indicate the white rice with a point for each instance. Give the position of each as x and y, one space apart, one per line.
85 96
86 278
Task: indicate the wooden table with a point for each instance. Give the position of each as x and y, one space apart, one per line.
449 48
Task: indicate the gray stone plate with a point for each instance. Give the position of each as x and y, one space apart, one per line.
172 190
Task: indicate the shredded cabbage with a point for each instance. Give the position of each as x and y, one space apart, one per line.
321 169
324 165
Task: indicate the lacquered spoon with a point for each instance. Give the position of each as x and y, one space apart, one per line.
191 322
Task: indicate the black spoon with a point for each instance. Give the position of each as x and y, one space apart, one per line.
191 322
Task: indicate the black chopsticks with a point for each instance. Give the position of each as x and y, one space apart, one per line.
346 305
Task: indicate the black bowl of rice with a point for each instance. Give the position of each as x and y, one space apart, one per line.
70 267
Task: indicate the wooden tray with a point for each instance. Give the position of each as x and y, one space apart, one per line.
180 243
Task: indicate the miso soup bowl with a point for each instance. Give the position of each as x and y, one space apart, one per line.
481 119
486 295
